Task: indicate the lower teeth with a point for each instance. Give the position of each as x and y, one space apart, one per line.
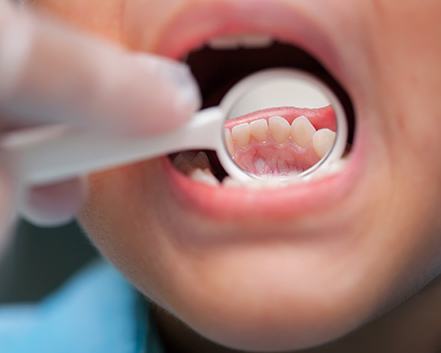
196 165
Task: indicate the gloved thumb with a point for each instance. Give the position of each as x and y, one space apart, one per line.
54 74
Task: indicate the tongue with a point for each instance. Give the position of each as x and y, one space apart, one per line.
281 141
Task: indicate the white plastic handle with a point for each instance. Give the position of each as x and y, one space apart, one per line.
57 153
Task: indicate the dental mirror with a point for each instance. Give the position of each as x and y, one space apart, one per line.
278 124
281 124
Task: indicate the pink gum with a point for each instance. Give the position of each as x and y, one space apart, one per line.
319 117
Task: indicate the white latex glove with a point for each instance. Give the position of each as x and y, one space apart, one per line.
52 74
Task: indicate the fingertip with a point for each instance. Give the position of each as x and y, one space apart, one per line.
55 204
164 96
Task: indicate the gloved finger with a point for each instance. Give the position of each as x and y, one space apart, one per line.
54 204
51 73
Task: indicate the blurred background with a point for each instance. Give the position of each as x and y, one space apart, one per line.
39 260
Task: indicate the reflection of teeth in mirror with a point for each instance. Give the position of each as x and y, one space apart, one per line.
241 134
275 129
322 141
204 176
302 131
259 129
279 128
229 141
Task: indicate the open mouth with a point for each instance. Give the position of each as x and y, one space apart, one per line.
217 45
279 141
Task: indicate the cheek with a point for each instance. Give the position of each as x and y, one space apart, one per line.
122 217
395 231
399 93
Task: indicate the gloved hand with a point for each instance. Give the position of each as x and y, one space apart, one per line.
50 73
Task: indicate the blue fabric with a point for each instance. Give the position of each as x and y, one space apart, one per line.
96 312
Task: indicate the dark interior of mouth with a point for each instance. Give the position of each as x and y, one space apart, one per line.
217 70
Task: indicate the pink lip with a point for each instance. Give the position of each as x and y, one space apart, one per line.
240 204
198 22
193 27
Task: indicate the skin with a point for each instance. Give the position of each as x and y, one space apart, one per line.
356 289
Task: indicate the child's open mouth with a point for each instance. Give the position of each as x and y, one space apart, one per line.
277 141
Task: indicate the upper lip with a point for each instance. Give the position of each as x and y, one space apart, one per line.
197 22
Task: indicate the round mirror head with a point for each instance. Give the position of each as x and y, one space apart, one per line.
282 124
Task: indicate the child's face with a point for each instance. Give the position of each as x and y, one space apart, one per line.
267 269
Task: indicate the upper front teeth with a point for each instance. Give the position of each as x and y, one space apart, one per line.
245 41
241 134
302 131
322 141
277 129
256 41
259 129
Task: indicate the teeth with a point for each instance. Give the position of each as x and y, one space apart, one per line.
201 161
229 141
259 129
245 41
204 176
227 42
333 168
241 134
322 141
302 131
254 183
279 129
229 182
256 41
183 161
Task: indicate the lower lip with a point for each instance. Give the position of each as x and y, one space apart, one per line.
290 202
195 24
